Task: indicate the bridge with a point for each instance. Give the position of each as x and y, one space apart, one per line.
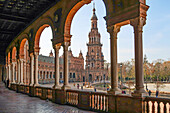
22 22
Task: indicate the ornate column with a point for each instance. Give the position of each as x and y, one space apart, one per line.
6 66
18 74
13 72
9 73
36 53
113 30
65 66
31 69
138 24
57 73
21 74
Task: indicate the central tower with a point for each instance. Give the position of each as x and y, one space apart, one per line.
94 57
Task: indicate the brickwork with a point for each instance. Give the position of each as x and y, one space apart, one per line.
46 68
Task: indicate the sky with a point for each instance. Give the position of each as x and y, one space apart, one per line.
156 33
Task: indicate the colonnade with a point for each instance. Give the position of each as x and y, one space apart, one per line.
114 22
19 67
137 25
17 72
45 75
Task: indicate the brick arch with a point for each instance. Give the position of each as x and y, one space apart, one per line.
44 23
8 57
14 52
71 14
38 34
22 46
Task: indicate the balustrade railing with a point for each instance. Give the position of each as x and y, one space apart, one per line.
157 105
49 93
99 101
38 91
72 97
95 101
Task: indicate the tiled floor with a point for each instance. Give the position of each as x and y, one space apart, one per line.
12 102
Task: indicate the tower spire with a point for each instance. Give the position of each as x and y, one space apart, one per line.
94 8
94 17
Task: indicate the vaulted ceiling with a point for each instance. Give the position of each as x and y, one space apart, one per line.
15 15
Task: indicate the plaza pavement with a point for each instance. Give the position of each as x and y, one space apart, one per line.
12 102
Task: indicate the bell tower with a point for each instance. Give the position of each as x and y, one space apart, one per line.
94 57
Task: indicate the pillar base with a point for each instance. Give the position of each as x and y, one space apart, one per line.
21 83
13 82
65 87
114 91
36 85
56 87
140 93
31 84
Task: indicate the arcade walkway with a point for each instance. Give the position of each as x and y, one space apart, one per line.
12 102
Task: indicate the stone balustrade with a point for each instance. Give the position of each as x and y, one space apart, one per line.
157 105
97 101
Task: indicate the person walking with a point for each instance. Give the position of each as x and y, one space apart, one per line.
7 83
149 92
157 93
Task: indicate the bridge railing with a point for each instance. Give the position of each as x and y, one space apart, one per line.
157 105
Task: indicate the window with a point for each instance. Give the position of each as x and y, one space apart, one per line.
70 75
74 76
61 75
92 64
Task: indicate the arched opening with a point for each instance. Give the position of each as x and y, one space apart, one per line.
46 53
126 62
80 37
90 77
14 65
8 67
14 54
9 58
25 61
38 34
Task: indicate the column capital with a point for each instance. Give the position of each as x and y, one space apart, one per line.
31 54
21 56
36 50
138 22
57 46
66 45
113 30
67 37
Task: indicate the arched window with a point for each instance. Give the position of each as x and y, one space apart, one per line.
92 64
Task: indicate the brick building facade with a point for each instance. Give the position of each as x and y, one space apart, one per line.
46 68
